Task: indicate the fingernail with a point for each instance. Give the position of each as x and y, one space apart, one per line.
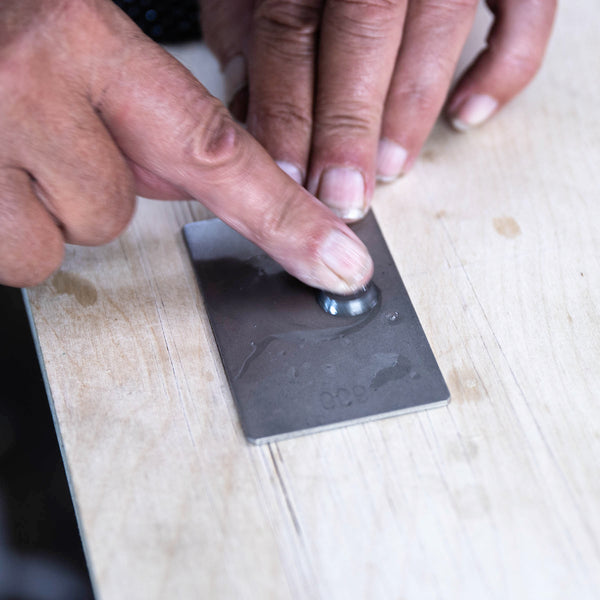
391 158
235 76
348 261
292 170
474 111
342 189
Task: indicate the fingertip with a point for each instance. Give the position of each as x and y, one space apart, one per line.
302 235
515 48
345 263
105 208
472 111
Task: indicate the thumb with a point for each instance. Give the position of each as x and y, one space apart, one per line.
164 120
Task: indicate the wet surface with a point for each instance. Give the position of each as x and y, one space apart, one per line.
281 304
291 366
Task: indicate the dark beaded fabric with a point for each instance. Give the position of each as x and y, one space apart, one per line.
165 21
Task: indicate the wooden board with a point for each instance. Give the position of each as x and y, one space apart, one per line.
496 234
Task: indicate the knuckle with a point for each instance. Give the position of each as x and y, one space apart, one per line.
519 63
350 118
423 93
114 220
212 142
452 7
288 29
106 214
32 264
442 16
365 9
421 97
283 17
281 115
367 20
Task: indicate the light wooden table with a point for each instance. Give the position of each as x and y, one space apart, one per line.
497 236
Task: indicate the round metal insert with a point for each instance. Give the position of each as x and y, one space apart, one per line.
352 305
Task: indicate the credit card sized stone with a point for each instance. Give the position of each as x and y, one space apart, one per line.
292 367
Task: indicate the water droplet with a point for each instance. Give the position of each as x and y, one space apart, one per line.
392 316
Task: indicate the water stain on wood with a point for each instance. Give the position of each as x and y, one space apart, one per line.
462 450
465 385
428 156
507 227
80 288
472 502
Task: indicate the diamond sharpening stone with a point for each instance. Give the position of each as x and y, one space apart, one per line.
294 369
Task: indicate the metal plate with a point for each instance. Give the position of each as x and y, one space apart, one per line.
293 368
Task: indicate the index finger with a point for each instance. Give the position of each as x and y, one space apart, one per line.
164 120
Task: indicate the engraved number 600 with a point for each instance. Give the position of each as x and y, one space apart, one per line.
343 397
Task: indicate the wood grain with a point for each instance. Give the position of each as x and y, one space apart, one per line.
496 234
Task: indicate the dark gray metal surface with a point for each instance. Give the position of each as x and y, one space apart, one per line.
294 369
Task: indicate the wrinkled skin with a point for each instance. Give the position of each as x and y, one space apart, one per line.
92 112
344 92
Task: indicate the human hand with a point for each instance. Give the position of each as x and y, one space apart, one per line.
92 111
343 91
